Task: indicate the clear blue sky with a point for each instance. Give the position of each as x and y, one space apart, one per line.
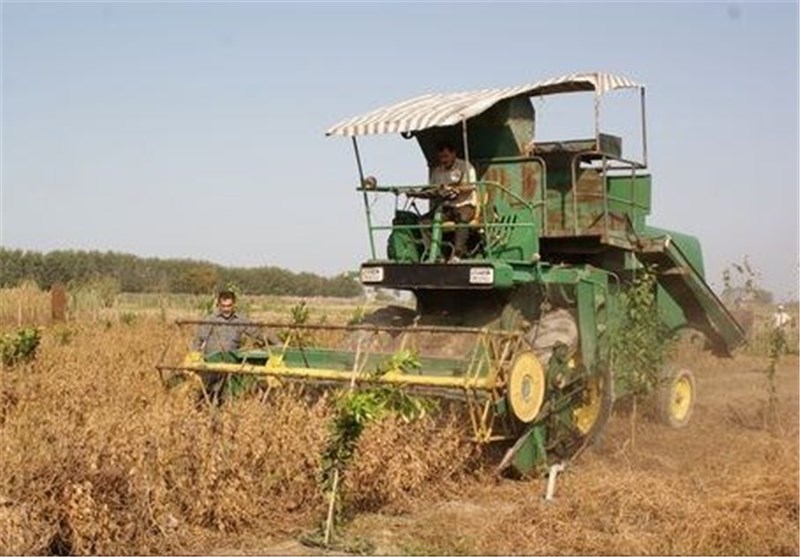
197 129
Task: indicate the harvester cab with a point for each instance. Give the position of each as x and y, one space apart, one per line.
542 207
520 327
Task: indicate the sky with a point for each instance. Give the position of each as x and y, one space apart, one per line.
197 130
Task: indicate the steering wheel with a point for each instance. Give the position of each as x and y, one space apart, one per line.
425 192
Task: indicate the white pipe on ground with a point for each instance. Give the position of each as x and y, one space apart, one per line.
551 480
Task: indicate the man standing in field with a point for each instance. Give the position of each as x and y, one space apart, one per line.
219 338
780 319
227 330
781 322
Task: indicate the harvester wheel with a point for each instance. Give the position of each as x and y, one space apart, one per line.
675 397
588 417
591 416
526 386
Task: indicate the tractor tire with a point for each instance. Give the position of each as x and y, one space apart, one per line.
675 396
590 416
590 419
554 327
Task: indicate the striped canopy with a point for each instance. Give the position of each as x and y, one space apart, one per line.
446 109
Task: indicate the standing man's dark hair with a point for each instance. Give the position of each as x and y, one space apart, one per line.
226 295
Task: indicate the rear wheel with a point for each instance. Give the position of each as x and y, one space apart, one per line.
578 407
585 419
675 397
582 424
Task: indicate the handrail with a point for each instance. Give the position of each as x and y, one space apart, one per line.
481 186
398 189
630 166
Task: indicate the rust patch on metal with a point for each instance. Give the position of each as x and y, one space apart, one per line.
531 177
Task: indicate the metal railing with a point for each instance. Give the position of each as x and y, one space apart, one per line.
495 226
605 168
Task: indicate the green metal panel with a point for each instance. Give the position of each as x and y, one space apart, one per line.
669 311
504 130
522 176
587 324
590 292
511 230
504 275
682 278
531 455
689 246
584 208
631 196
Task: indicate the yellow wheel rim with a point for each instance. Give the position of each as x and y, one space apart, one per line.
526 386
586 415
681 400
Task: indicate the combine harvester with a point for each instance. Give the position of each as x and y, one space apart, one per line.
519 329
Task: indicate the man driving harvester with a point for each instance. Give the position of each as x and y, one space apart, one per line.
456 195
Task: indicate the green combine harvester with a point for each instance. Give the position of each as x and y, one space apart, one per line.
518 329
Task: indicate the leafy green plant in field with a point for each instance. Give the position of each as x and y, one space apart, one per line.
777 347
94 294
20 346
300 314
640 341
127 318
63 334
358 315
206 305
355 409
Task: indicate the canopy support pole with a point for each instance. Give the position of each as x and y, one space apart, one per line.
644 130
366 198
465 139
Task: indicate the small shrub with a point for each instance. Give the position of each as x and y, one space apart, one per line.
63 335
357 316
300 314
206 305
640 343
127 318
20 346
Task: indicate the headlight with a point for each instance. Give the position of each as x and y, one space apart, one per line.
481 275
371 274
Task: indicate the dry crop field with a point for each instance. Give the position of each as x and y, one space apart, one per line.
99 458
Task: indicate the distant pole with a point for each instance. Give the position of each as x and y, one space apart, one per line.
58 303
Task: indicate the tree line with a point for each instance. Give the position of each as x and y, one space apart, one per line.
138 274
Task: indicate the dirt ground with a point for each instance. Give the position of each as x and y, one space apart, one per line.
723 485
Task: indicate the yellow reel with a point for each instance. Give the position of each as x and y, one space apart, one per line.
526 386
